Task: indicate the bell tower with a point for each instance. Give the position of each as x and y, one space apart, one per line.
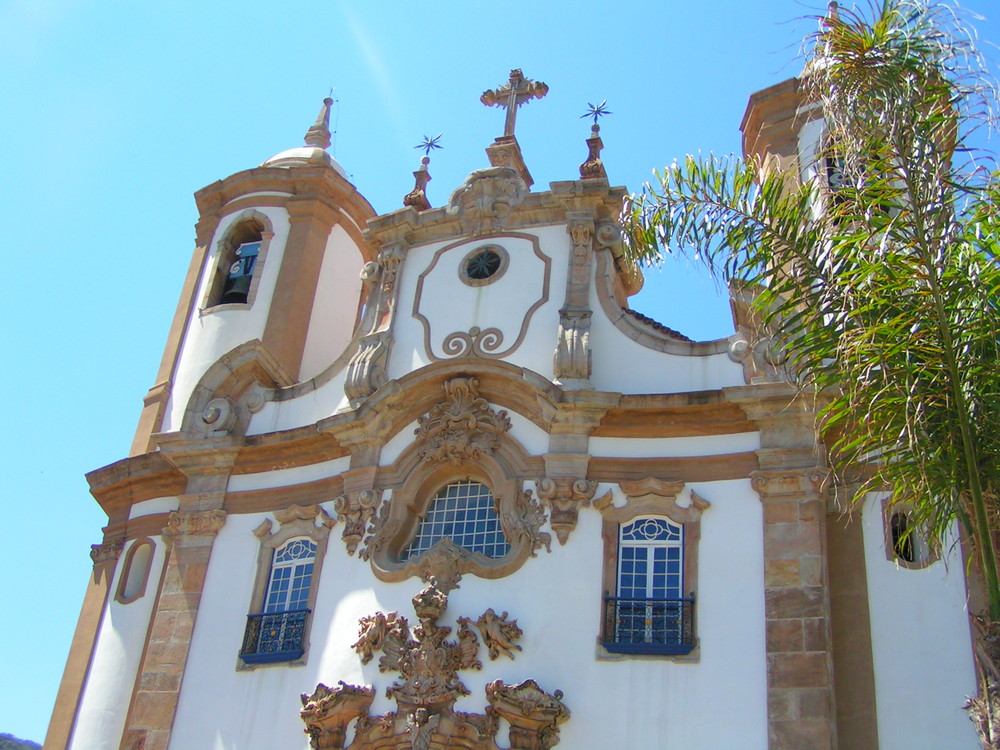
276 265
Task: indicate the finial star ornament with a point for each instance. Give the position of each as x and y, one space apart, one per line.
596 111
429 144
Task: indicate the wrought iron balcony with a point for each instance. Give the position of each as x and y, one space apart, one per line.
648 626
274 636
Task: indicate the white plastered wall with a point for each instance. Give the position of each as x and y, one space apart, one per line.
921 645
107 691
623 365
335 308
211 335
451 306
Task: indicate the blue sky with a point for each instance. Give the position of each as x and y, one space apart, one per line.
114 113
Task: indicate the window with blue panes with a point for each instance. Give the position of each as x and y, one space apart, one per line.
291 576
464 512
649 611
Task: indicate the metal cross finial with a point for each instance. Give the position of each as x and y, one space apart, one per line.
512 95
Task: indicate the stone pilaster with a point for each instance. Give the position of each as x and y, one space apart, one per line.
800 694
188 537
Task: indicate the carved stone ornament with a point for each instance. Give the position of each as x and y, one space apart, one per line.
794 484
217 418
486 199
428 663
498 634
565 496
108 551
205 523
418 196
593 167
478 342
572 360
366 370
445 562
355 511
462 428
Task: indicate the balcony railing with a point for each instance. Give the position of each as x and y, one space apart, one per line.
649 626
275 636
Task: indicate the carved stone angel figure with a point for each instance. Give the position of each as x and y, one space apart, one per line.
498 634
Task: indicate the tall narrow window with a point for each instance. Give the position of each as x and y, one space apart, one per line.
464 512
649 613
278 633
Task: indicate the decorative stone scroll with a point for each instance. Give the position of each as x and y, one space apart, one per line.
206 523
462 428
565 496
355 511
366 371
428 663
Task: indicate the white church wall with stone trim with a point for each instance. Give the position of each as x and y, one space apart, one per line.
335 308
117 654
921 645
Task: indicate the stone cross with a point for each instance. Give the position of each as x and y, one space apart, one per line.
512 95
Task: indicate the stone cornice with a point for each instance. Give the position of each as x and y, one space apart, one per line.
118 486
321 183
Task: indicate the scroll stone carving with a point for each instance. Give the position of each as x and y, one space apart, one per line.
487 198
463 428
355 510
565 496
366 372
428 663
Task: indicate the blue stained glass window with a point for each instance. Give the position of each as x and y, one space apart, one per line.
464 512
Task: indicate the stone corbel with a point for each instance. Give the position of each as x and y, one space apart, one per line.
108 551
366 371
565 496
205 523
793 484
355 511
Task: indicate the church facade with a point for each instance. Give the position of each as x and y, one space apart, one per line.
424 480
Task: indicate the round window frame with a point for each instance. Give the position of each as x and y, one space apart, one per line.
463 272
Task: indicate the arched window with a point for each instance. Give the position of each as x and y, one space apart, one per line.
291 576
135 571
289 565
651 569
240 255
649 610
906 544
464 512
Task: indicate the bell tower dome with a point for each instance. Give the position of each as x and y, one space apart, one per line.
276 266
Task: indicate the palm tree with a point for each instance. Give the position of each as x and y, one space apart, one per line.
883 284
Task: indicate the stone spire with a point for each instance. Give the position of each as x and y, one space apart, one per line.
418 196
319 134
